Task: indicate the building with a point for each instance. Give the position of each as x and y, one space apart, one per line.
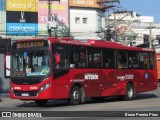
133 28
31 18
3 18
86 18
80 18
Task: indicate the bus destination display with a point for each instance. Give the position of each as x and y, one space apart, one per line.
30 44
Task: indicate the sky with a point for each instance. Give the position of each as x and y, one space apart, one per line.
2 5
143 7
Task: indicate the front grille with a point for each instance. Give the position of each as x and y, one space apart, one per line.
25 93
27 80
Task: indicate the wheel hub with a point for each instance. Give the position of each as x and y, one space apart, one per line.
130 92
75 95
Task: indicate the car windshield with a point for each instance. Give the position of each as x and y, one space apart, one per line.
35 63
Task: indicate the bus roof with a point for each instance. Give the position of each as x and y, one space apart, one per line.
89 42
102 44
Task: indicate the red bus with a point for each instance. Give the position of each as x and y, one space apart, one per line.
158 65
63 68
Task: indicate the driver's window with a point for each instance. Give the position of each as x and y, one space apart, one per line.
39 61
34 61
60 57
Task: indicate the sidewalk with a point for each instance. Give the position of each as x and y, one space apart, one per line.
5 95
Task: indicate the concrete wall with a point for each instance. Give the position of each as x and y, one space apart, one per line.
86 30
2 23
90 14
4 82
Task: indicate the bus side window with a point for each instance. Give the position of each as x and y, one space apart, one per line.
108 58
152 61
60 57
122 59
144 60
78 57
133 60
97 58
141 64
82 60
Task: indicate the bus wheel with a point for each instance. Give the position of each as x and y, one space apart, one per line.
41 103
129 92
75 96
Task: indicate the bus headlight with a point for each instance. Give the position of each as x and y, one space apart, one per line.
44 87
11 88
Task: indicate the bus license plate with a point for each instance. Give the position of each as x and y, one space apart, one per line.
25 94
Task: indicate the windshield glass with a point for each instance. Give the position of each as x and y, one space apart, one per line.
31 63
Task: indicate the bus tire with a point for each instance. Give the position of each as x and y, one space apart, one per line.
130 92
75 96
41 103
82 95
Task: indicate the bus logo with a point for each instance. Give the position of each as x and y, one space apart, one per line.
146 75
125 77
91 76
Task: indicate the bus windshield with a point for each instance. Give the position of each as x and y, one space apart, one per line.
35 63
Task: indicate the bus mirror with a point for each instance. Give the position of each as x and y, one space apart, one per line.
72 65
7 61
7 64
58 58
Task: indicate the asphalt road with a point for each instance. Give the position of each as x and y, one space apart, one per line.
110 107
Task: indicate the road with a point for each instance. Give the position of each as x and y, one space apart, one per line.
149 101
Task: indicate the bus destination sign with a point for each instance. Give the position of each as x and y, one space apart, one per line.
30 44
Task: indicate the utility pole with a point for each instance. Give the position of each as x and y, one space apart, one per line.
150 33
106 6
49 15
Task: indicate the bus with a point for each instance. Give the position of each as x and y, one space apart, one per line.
158 64
158 67
51 68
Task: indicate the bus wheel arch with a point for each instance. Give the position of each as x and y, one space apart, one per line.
77 94
158 82
130 91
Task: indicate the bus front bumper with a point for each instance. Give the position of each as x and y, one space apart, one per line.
31 92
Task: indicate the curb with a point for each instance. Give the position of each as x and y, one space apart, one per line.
4 96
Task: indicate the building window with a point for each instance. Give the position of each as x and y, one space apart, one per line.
85 20
145 38
99 22
77 20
